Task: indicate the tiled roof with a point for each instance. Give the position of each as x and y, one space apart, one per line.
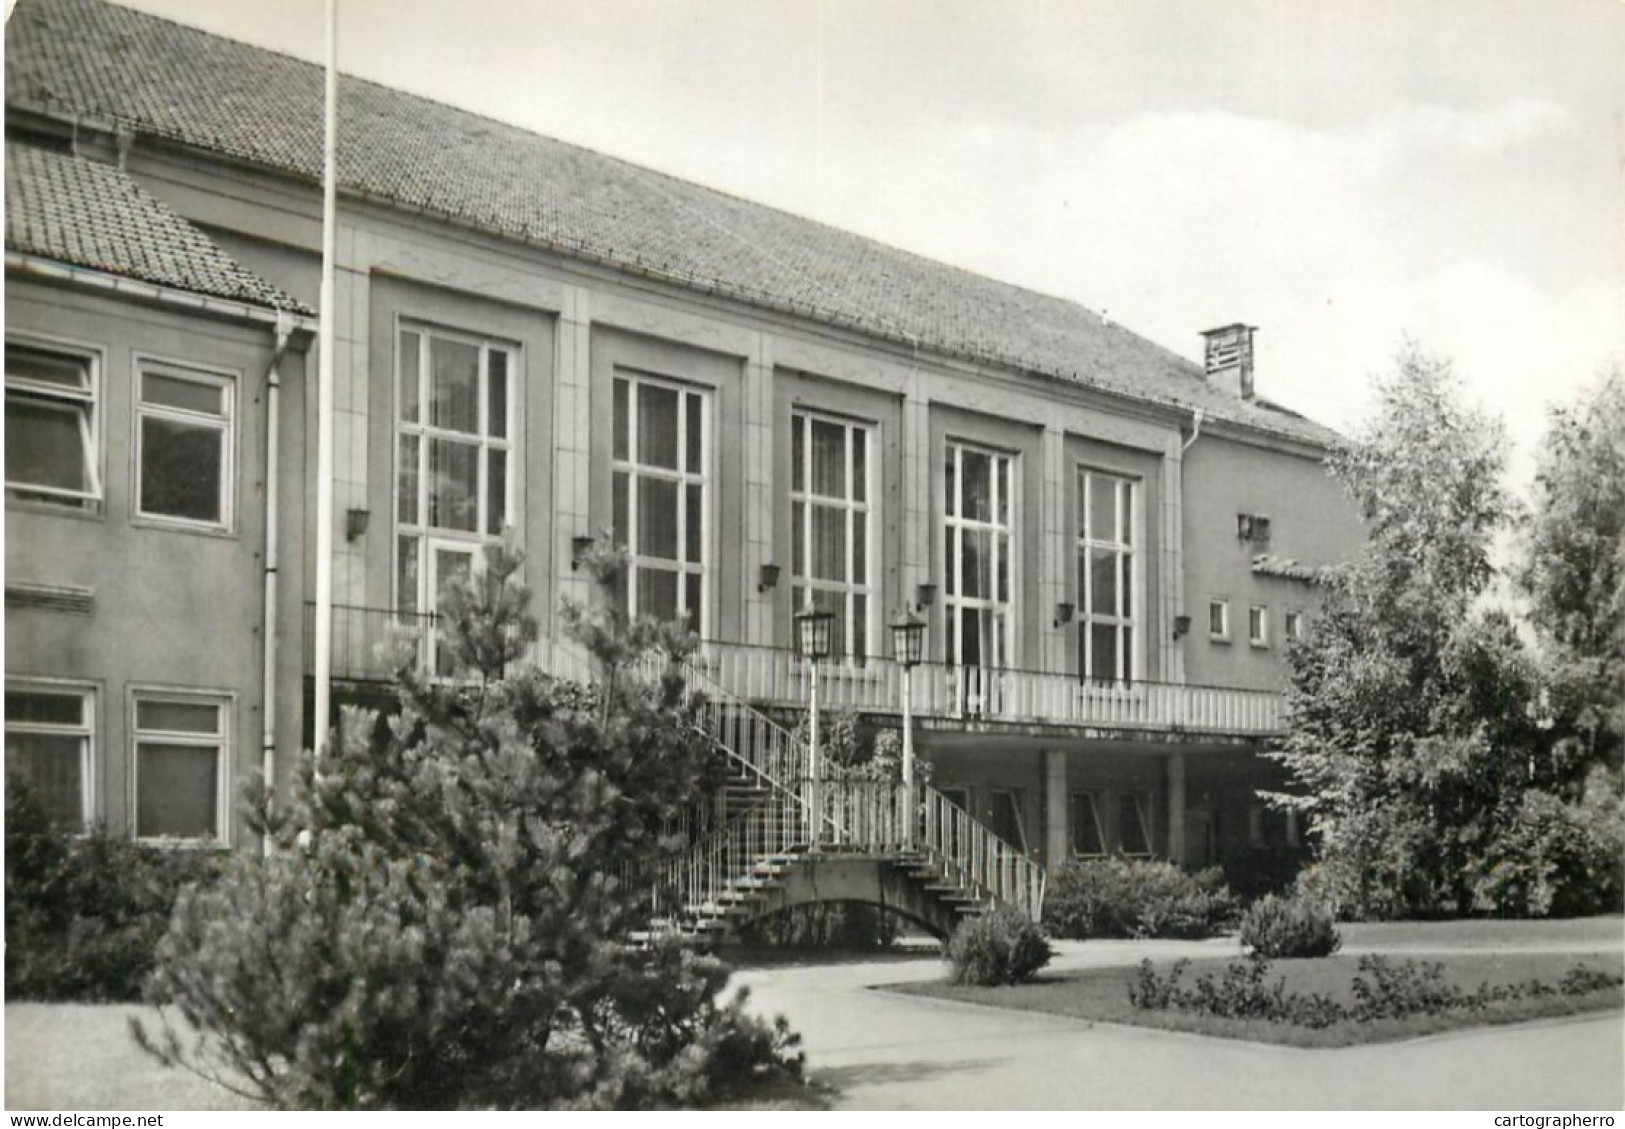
161 78
89 214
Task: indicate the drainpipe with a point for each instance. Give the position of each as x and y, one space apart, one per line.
273 429
1196 429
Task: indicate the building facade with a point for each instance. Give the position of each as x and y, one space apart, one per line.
1111 546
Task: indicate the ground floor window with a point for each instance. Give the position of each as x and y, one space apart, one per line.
1008 823
1134 823
181 744
49 738
1088 833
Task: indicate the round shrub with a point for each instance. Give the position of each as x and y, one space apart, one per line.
1002 946
1120 897
1289 927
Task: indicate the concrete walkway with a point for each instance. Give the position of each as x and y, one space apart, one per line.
888 1051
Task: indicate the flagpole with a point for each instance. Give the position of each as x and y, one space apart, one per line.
324 395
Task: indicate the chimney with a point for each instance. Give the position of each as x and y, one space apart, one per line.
1229 358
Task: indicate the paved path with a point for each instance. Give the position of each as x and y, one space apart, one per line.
888 1051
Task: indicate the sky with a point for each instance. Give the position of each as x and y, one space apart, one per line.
1343 175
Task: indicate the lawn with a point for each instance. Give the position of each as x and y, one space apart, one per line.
1101 994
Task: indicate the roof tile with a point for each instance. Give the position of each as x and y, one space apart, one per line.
93 215
176 82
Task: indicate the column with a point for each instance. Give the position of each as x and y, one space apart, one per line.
1056 833
1052 585
1176 808
917 469
1172 564
572 460
759 408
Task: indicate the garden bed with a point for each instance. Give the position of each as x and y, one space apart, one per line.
1103 995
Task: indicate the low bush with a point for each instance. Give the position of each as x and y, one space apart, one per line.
84 913
1119 897
1382 989
1277 927
1002 946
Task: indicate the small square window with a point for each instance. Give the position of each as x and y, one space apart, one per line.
52 450
184 446
180 767
48 745
1293 625
1218 620
1258 625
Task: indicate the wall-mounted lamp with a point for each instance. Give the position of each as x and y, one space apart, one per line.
355 523
578 549
1063 613
1182 626
924 596
767 577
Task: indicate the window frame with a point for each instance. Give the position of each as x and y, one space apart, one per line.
88 694
1222 605
1146 812
220 740
224 379
705 478
1005 541
92 430
1093 797
1292 623
427 537
853 510
1258 615
1128 560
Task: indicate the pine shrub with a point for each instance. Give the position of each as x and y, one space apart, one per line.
1139 898
1000 946
445 920
1277 927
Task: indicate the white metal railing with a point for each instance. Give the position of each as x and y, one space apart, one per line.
775 676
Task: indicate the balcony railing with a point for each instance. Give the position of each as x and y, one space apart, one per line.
939 690
771 676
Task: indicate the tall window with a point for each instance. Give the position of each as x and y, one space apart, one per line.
831 529
1108 577
661 452
51 421
184 441
454 479
49 731
978 490
181 778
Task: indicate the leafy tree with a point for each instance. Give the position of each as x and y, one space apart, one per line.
445 920
1408 706
1573 573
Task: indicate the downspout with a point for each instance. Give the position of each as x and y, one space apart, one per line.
273 431
1196 429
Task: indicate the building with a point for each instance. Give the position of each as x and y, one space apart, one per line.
1110 544
142 413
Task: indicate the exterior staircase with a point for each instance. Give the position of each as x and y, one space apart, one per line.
777 838
783 839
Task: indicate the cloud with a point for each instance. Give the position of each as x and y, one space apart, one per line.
1484 131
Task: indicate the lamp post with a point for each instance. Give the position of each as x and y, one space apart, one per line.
907 640
813 630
